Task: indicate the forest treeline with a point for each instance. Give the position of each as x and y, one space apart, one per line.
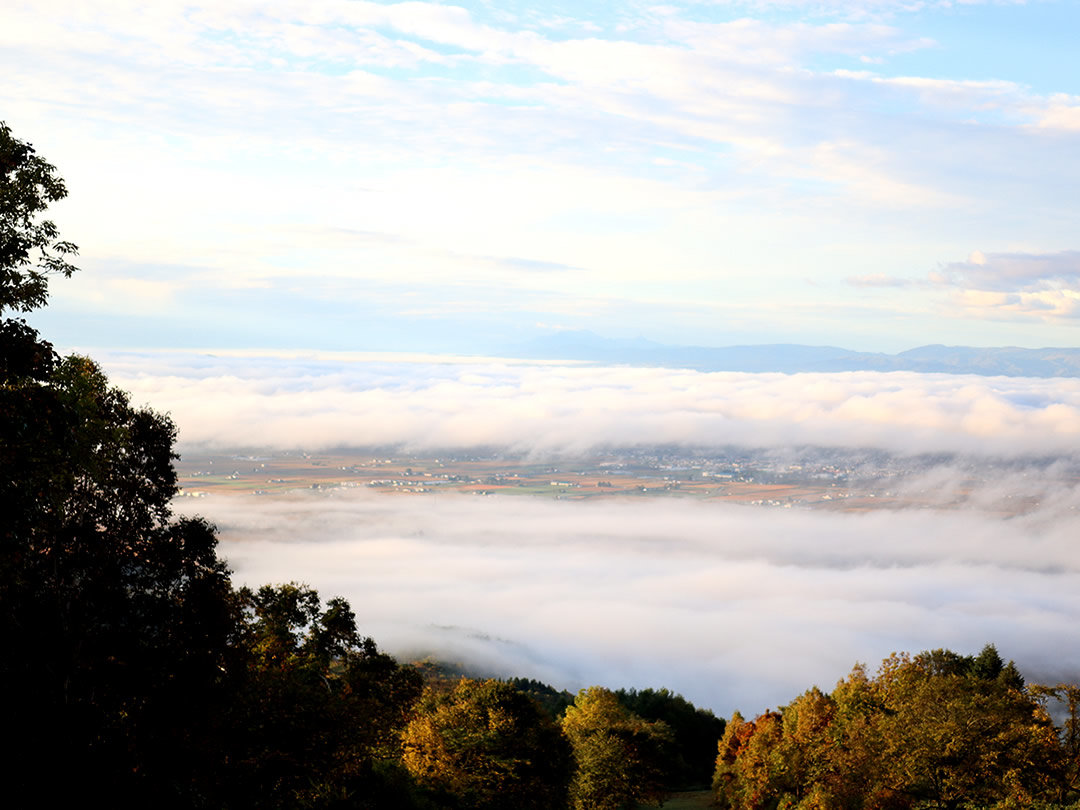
135 674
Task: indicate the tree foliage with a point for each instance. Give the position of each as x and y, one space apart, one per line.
316 706
937 730
553 700
1065 696
694 734
487 745
619 757
30 247
115 616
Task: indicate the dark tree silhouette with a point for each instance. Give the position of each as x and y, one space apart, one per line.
30 249
134 674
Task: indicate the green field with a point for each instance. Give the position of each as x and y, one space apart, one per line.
690 800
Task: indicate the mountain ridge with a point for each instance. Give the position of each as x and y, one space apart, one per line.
792 358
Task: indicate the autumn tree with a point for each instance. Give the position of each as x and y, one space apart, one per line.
937 729
486 745
1066 697
954 734
618 756
750 767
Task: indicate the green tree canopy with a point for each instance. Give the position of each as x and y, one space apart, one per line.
694 732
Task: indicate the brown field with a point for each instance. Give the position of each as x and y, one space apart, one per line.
273 474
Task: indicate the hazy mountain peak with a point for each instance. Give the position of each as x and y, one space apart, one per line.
791 358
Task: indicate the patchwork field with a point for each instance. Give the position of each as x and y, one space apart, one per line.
739 481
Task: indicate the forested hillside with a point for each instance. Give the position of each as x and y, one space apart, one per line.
136 674
934 730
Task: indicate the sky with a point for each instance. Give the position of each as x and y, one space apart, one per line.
437 177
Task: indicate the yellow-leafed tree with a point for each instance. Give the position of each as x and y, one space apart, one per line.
487 745
618 756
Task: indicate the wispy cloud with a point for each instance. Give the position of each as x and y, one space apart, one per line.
1019 285
1014 272
858 8
879 280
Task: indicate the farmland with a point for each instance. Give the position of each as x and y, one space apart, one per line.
818 482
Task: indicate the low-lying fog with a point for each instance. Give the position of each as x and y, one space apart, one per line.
734 607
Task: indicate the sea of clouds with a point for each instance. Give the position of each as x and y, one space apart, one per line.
323 400
732 606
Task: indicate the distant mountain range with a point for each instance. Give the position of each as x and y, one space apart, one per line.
789 358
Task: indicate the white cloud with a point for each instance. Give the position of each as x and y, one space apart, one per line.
1061 112
314 402
1030 286
1014 271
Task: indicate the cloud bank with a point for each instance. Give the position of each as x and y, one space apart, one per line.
314 402
734 607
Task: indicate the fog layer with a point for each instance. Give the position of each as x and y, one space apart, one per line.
735 607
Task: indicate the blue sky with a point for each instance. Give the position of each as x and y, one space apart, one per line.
463 177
